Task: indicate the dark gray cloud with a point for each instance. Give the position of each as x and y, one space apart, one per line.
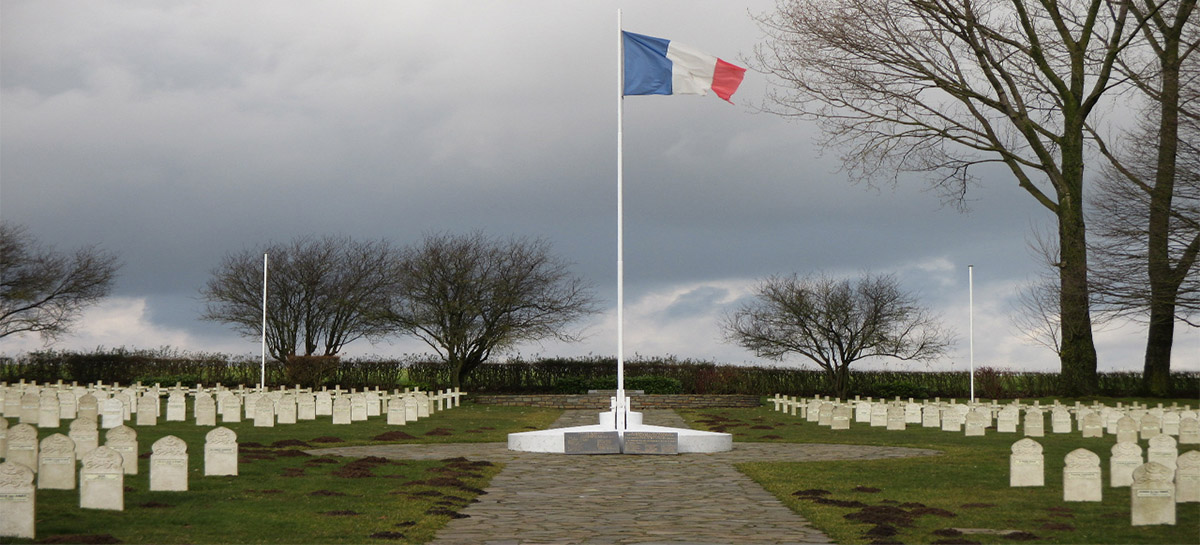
176 132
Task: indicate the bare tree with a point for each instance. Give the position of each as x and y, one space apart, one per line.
1148 204
323 293
471 296
43 291
941 87
835 323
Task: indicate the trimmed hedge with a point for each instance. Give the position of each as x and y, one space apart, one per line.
551 375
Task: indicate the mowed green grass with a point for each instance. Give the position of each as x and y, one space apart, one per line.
918 500
282 495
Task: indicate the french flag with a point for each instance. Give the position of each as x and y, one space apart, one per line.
654 66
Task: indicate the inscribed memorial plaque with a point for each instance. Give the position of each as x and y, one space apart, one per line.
592 442
648 442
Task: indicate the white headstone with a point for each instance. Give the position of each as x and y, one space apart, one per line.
862 412
1187 477
841 417
264 412
931 416
30 407
1127 430
169 464
23 446
285 409
1151 425
176 407
48 410
112 413
220 452
1170 423
1110 421
89 407
912 412
1035 423
147 410
1081 476
324 404
1092 425
1189 431
17 501
358 407
205 409
1060 420
230 406
395 412
123 439
1126 457
1152 495
825 415
56 463
341 410
976 423
879 415
1162 450
306 407
373 404
1007 419
102 480
1026 465
423 405
411 408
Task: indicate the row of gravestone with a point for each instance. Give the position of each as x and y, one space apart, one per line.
974 419
101 471
46 407
1156 484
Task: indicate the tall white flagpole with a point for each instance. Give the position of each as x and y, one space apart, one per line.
262 378
971 323
619 417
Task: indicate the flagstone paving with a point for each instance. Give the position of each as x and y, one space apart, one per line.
556 499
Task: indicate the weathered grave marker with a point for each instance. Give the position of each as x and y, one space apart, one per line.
48 411
1026 464
56 463
1187 477
285 409
123 439
264 412
1060 420
841 417
230 406
358 407
341 410
205 409
395 412
23 446
1152 495
17 501
1006 421
220 452
89 407
931 416
1189 431
1126 457
1151 426
31 404
102 480
1162 449
112 413
169 464
1127 430
976 422
306 407
176 407
1081 476
324 404
1035 423
411 408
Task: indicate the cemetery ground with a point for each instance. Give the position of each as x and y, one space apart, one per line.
960 496
284 495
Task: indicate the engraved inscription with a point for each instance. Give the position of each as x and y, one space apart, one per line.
645 442
592 442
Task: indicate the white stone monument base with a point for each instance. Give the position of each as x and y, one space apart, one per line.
554 441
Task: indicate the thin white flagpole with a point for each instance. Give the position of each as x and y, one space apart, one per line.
262 378
971 323
618 418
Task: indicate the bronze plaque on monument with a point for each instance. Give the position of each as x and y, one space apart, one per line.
649 442
592 442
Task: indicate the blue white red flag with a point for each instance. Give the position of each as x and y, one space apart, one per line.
655 66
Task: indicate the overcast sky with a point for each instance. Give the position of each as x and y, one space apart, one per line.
176 132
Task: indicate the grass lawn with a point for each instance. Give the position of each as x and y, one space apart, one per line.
919 500
282 495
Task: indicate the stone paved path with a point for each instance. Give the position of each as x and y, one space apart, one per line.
687 499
